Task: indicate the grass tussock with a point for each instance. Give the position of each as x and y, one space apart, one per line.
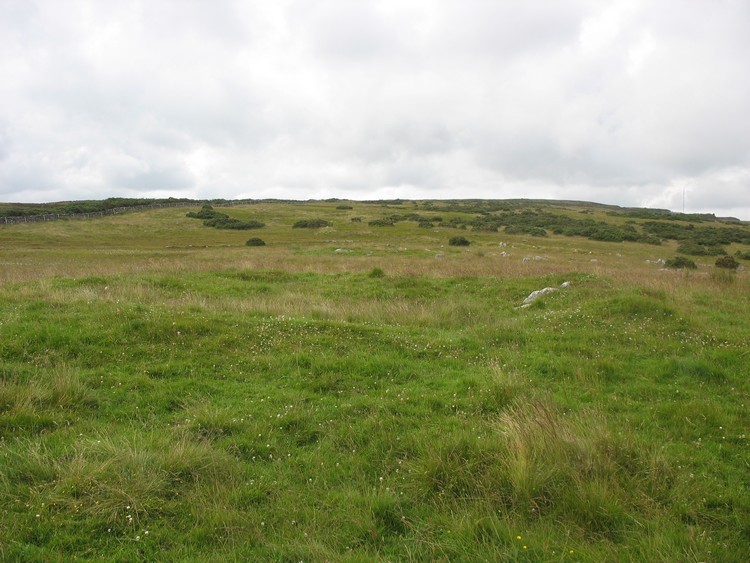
117 480
538 462
38 396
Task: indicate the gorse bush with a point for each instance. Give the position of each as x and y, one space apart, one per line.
381 223
230 223
459 241
680 262
218 220
206 212
727 262
311 224
255 241
704 236
695 249
525 230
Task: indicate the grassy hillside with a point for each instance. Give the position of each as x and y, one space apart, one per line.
366 391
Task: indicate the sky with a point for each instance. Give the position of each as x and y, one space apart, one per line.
632 103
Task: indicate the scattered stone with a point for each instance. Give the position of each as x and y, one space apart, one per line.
526 259
439 255
503 244
534 295
594 260
537 258
340 250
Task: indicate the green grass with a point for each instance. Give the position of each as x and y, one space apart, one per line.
167 393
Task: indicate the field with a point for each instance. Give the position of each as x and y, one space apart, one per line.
357 392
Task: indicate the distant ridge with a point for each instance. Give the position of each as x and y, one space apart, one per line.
14 213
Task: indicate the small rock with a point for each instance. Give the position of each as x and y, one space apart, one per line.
534 295
439 255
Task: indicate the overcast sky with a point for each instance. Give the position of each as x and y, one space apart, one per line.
630 103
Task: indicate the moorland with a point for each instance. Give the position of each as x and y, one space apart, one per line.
359 381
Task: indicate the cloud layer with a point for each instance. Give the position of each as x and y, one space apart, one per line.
628 102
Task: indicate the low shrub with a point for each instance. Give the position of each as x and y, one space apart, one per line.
356 219
255 241
727 262
376 273
743 255
206 212
381 223
225 222
680 262
311 224
344 207
525 230
694 249
218 220
459 241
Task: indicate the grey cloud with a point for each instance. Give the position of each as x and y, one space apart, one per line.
154 179
622 102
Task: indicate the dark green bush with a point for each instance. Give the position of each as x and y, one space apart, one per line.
376 273
459 241
486 227
727 262
525 230
680 262
206 212
344 207
218 220
255 241
743 255
225 222
381 223
356 219
311 224
694 249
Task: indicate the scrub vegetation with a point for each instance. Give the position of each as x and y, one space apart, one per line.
355 393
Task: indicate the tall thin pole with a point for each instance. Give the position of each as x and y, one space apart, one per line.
683 200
